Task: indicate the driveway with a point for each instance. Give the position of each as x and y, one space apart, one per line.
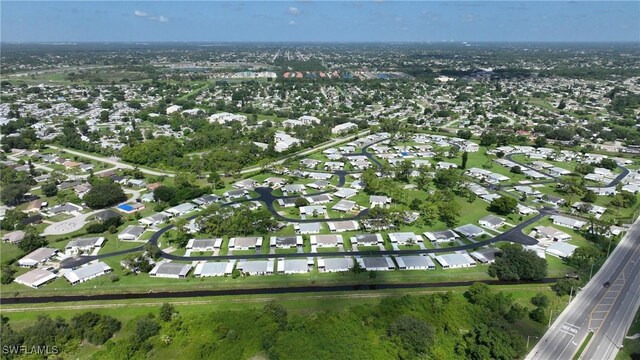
69 225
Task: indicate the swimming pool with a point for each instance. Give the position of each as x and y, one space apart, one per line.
126 207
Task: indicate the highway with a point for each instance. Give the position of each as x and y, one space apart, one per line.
607 312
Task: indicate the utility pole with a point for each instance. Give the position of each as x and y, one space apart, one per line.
570 294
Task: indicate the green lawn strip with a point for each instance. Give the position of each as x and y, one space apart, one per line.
125 309
583 346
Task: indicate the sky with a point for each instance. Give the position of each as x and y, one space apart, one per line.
319 21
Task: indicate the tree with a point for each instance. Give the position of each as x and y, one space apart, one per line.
216 181
516 169
13 193
590 196
541 141
448 213
412 334
465 157
488 138
565 286
504 205
357 268
516 263
95 328
608 164
104 193
447 179
490 342
371 181
538 315
49 188
164 193
540 300
166 312
146 328
299 202
7 274
12 218
403 171
464 134
32 241
584 256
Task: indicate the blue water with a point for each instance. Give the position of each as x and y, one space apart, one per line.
126 207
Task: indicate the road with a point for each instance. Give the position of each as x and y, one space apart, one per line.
119 164
319 147
606 311
113 161
610 333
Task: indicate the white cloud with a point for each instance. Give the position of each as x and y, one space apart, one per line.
146 15
293 11
291 22
468 18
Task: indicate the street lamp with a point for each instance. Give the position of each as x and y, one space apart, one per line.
530 336
613 342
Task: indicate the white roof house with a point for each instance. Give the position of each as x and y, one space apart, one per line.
181 209
485 255
170 270
415 262
256 267
328 240
341 226
568 222
35 278
367 240
376 263
245 243
286 242
469 230
441 236
491 221
381 201
561 249
225 117
214 268
86 244
335 264
345 206
87 272
131 232
452 261
403 238
36 257
343 128
204 244
294 266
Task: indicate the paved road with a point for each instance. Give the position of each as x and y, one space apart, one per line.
616 318
322 146
113 161
514 234
606 311
624 172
